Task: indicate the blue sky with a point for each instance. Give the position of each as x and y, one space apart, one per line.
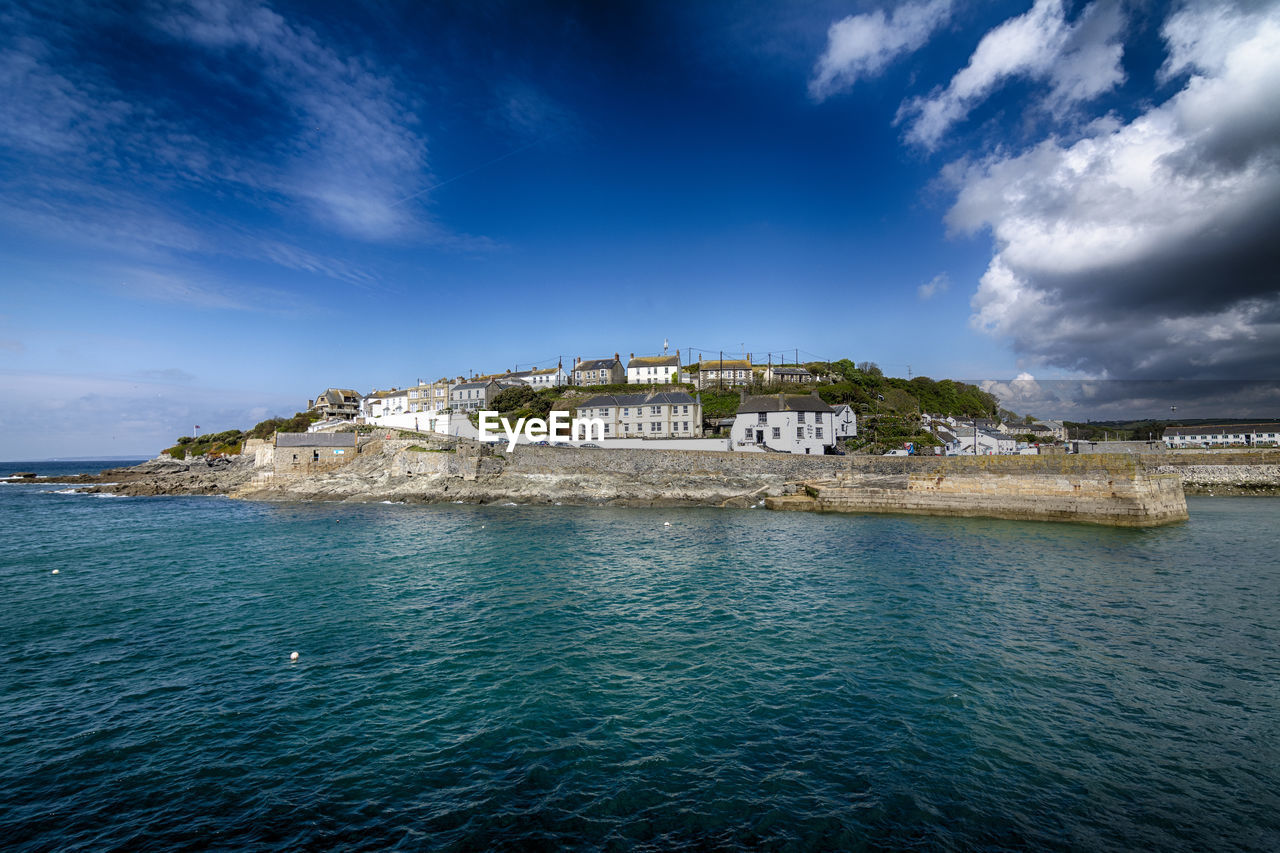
211 211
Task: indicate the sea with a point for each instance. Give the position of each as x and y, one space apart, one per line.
520 677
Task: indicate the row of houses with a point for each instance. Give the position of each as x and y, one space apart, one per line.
1223 435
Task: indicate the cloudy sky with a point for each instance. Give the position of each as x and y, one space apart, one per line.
211 211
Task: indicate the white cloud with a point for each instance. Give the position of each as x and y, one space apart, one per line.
1079 61
863 45
940 283
355 144
1147 248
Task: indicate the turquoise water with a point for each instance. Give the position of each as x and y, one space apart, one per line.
481 677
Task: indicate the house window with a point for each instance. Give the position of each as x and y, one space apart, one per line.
686 410
626 427
799 432
626 413
777 432
817 433
653 410
686 426
799 417
655 427
761 418
606 429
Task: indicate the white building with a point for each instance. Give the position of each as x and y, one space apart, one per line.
846 420
788 423
672 414
377 404
989 443
1223 435
549 377
653 370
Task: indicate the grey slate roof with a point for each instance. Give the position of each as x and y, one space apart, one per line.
783 403
596 364
315 439
604 401
467 386
791 371
1222 429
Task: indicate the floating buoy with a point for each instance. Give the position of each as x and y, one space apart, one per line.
54 572
293 656
666 524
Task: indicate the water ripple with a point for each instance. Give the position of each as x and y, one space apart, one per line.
517 677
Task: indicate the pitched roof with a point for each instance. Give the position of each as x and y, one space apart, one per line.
790 371
469 385
315 439
654 361
342 392
604 401
382 395
596 364
783 403
728 364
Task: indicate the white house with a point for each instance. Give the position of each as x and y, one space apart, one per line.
846 421
1223 435
672 414
548 377
787 423
377 404
989 443
653 370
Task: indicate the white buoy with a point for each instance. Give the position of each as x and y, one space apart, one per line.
293 656
666 524
54 572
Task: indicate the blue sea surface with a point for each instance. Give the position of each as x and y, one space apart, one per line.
590 678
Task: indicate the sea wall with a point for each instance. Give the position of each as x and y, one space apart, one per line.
1104 489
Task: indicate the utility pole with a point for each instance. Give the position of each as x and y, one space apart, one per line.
720 373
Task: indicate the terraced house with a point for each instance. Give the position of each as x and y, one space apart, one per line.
671 414
724 373
429 396
1223 435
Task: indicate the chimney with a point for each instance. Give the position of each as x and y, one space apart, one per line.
742 396
311 404
748 358
633 355
617 357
